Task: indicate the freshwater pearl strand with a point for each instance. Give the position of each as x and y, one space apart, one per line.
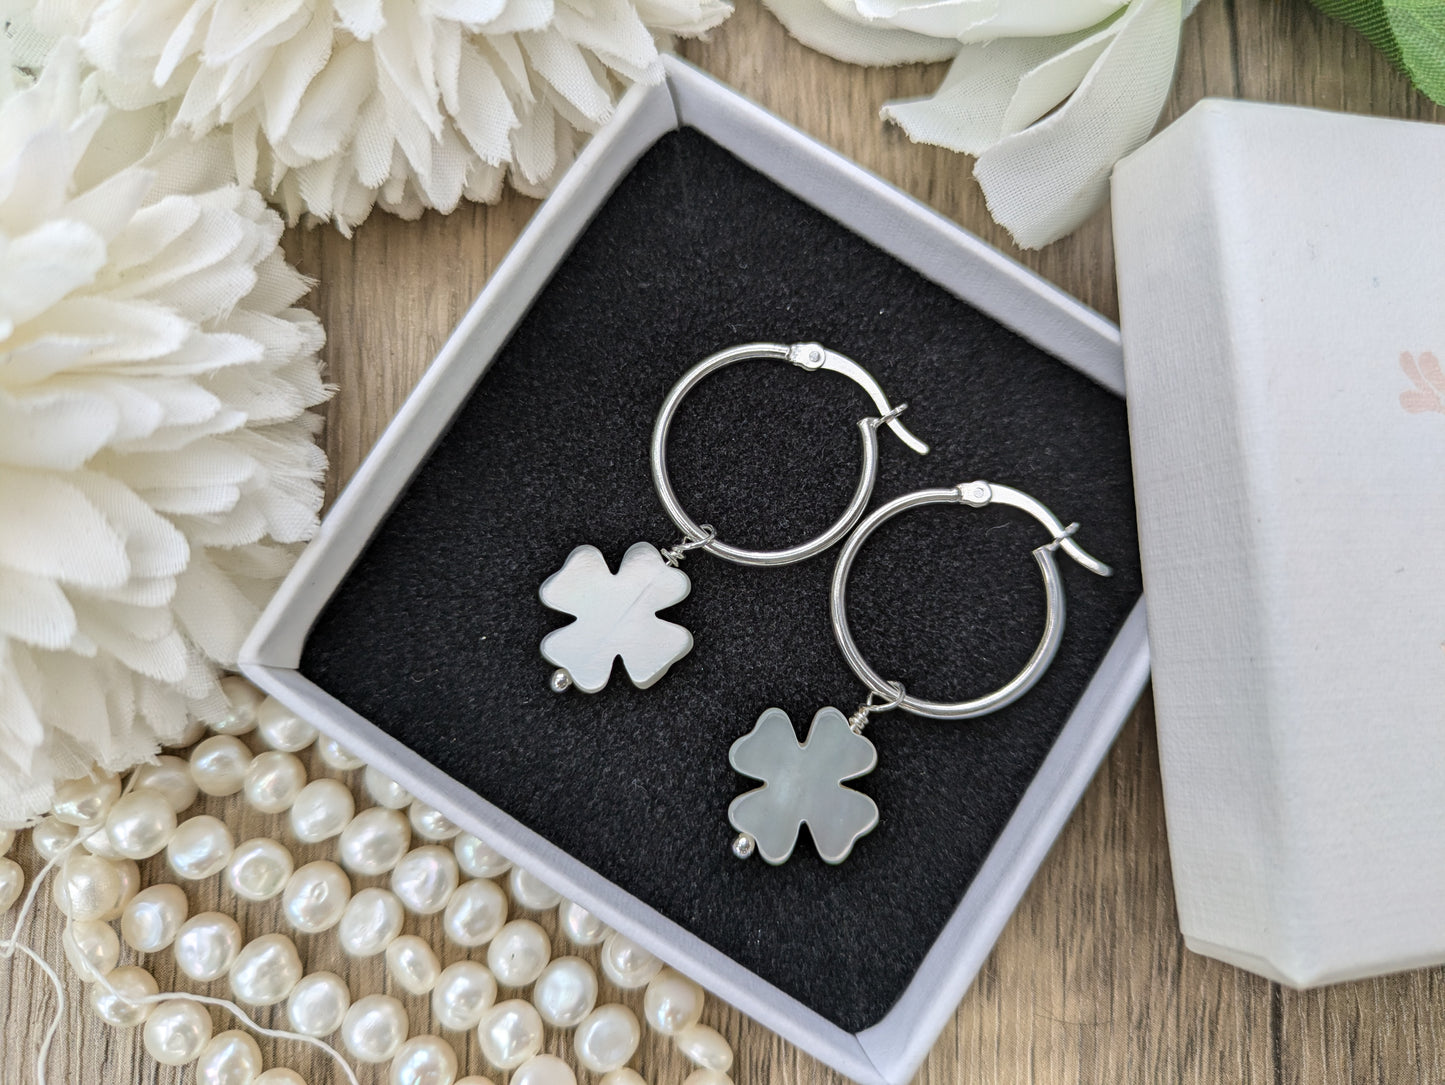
447 871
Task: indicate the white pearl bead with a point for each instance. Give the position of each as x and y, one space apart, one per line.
626 963
92 947
477 859
374 841
429 823
273 780
278 1075
85 802
518 953
704 1047
531 892
425 879
128 871
176 1031
385 791
581 927
463 992
316 897
282 729
543 1070
218 765
475 913
231 1058
88 887
97 842
412 965
672 1002
318 1003
193 731
371 920
128 982
245 699
259 868
201 846
336 755
607 1038
322 810
140 824
51 836
12 883
424 1060
151 921
266 970
374 1028
623 1076
566 992
206 945
510 1033
171 776
707 1077
473 1079
7 839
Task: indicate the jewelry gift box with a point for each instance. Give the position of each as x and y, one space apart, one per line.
410 628
1281 281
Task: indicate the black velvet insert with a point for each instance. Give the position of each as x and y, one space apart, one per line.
434 635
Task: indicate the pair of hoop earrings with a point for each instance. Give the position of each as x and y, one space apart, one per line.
616 615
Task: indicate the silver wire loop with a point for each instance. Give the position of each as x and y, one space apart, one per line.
674 554
859 719
975 495
809 356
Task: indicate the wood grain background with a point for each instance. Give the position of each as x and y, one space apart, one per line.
1090 981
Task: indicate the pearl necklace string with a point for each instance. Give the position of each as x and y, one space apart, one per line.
119 825
8 948
102 980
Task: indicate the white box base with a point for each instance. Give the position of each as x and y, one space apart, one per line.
891 1051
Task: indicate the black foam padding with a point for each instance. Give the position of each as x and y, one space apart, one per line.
434 634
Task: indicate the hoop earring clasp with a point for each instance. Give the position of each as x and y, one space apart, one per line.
975 495
811 357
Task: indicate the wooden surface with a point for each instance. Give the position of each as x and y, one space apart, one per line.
1090 981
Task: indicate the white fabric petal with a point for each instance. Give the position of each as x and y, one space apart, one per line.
36 610
39 268
976 105
158 461
51 530
1048 94
336 105
819 27
1043 182
58 428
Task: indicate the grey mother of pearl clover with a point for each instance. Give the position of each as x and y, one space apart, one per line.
616 616
803 784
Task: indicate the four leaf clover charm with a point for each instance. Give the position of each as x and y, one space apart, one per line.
802 782
616 616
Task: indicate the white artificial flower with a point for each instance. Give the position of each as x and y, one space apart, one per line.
1048 94
158 462
332 106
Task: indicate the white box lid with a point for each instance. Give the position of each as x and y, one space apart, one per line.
1282 284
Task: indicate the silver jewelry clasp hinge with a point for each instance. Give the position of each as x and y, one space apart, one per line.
815 356
979 493
1064 540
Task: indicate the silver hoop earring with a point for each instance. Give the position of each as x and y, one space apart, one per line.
616 613
803 782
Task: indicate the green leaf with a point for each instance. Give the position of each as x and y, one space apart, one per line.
1419 30
1369 18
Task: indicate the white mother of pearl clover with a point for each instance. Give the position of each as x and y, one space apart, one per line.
616 616
803 783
